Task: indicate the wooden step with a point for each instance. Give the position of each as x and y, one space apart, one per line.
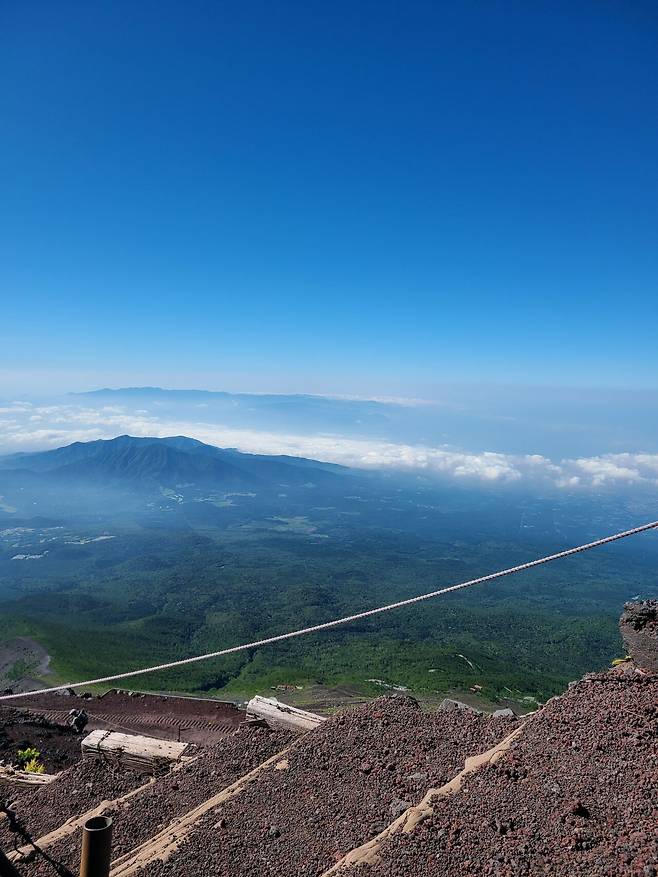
24 779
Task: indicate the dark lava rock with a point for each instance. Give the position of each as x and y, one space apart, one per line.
639 630
504 714
398 806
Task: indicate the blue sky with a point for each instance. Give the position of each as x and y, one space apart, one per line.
368 198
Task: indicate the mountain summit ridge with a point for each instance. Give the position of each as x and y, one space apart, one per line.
165 461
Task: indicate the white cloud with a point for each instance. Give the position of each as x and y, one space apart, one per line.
610 468
15 407
55 425
403 401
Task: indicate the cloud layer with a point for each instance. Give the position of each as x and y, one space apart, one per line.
25 426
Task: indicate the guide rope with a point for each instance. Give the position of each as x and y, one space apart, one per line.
19 831
346 620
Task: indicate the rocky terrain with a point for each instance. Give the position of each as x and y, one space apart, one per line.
389 789
76 790
146 812
58 745
577 793
336 788
639 629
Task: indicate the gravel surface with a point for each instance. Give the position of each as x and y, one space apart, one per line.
203 721
174 794
74 791
58 745
576 795
344 782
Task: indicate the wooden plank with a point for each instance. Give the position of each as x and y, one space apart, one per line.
11 777
280 715
132 751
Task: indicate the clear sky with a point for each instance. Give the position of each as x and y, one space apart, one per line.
366 197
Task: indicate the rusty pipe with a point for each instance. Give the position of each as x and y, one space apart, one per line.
96 847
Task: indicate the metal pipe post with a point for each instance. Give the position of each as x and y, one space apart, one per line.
96 847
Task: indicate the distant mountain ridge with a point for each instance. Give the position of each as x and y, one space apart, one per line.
165 462
295 414
164 392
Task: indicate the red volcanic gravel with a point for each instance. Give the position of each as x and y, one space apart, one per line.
344 782
577 794
58 745
74 791
172 795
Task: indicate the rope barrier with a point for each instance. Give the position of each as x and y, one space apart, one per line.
346 620
16 828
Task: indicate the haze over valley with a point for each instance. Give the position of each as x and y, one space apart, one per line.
594 438
139 549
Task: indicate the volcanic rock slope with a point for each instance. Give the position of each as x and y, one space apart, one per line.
337 787
639 630
236 809
571 790
139 806
575 794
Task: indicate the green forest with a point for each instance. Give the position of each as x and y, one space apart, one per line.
153 593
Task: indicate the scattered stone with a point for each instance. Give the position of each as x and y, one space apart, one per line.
417 778
325 804
449 704
544 807
398 806
579 809
583 811
153 808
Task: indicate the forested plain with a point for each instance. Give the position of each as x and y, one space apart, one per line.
187 572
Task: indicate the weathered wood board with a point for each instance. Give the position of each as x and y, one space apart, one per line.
132 751
11 777
280 715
